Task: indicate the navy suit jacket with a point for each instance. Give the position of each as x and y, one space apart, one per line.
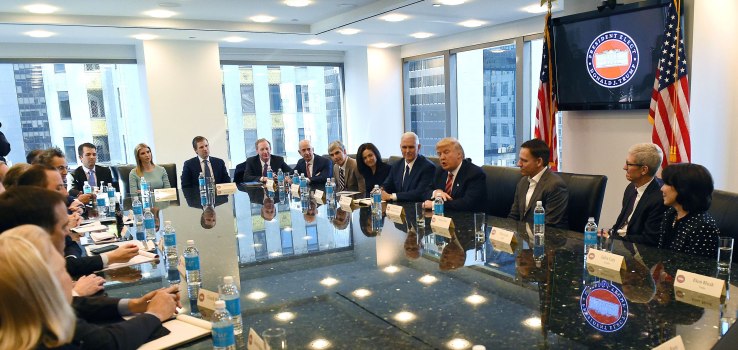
191 171
100 326
417 184
645 224
251 170
322 169
79 177
78 265
469 190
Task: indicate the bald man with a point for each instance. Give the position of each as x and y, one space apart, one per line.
316 168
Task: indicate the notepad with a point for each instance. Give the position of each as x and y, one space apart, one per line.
142 257
183 329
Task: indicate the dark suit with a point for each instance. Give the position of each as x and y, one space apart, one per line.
78 265
469 190
322 169
251 169
645 223
118 335
415 187
551 190
79 176
191 171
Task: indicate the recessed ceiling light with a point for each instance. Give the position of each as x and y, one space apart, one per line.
297 3
404 316
41 8
381 45
314 42
160 13
39 34
472 23
234 39
145 36
535 9
421 35
320 343
285 316
262 18
393 17
451 2
458 343
361 293
348 31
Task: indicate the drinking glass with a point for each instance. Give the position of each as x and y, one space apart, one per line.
275 338
725 253
480 225
420 214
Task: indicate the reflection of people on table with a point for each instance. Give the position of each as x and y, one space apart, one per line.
341 221
192 196
310 211
366 222
208 217
453 255
412 244
268 210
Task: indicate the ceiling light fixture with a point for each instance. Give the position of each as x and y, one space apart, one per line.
451 2
381 45
421 35
314 42
297 3
234 39
535 8
39 34
262 18
348 31
472 23
41 9
145 36
160 13
393 17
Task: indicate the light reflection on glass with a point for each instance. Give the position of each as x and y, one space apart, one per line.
475 299
458 343
391 269
285 316
404 316
320 343
256 295
428 279
328 281
361 293
533 322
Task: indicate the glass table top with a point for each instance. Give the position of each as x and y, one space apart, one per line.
365 282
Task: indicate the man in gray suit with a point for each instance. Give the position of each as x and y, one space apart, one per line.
539 183
344 169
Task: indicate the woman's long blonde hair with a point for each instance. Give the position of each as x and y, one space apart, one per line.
139 166
34 309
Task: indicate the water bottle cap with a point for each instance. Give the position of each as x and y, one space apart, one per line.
190 242
539 203
167 222
591 218
227 279
220 304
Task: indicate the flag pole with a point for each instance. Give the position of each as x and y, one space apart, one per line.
674 99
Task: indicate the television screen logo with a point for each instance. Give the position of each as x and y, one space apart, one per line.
612 59
604 307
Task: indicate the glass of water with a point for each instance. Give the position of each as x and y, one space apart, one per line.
275 338
725 253
420 214
480 225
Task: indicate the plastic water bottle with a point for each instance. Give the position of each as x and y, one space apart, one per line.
296 178
86 188
329 189
170 245
590 235
280 179
303 185
192 263
438 206
539 250
230 294
193 289
102 205
539 219
145 199
223 336
137 213
270 173
376 200
111 198
149 225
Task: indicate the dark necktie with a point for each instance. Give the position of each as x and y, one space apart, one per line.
341 180
405 179
307 170
628 209
91 179
264 171
206 165
449 183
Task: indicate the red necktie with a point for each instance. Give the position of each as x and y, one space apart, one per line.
307 169
449 183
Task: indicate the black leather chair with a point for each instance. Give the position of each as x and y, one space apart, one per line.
501 185
171 169
724 209
435 161
586 193
393 160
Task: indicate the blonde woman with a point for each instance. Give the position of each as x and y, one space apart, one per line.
36 290
155 175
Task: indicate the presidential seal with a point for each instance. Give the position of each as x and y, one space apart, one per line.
612 59
604 307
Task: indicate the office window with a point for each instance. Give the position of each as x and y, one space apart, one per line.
39 102
284 104
425 100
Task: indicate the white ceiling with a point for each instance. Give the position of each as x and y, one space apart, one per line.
116 21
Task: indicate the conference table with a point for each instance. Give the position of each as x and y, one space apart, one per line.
349 280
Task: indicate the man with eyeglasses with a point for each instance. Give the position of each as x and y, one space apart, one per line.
643 205
54 158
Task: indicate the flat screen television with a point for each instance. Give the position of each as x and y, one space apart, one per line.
607 59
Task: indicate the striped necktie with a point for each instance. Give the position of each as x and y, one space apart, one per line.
341 180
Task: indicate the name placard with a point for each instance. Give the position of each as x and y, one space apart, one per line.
503 236
318 195
206 302
699 284
270 185
610 275
227 188
396 213
165 194
605 260
295 189
442 225
255 342
345 203
675 343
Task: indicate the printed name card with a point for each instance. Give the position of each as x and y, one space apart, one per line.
165 194
699 284
502 236
206 302
610 275
255 342
222 189
605 260
345 203
318 195
396 213
295 189
269 185
675 343
442 225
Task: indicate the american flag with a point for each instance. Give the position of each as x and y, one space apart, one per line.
547 106
669 111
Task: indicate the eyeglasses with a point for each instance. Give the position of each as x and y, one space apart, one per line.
632 164
62 168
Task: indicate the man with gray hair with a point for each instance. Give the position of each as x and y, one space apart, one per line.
409 179
643 205
255 167
344 169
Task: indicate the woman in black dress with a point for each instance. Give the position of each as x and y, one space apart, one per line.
371 167
687 227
